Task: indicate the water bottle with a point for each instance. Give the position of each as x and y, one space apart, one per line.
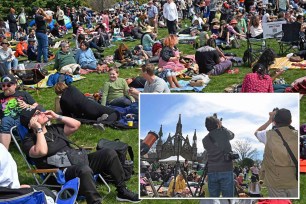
263 45
285 68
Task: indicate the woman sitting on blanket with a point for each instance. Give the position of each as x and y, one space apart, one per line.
74 104
260 80
169 61
116 91
123 54
85 57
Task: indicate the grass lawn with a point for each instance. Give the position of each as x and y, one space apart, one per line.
90 136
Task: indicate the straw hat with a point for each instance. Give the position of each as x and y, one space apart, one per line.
215 20
5 42
149 29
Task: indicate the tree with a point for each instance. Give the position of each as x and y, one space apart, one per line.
99 5
244 149
247 162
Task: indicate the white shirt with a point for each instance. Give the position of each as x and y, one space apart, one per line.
201 22
265 18
170 11
8 169
262 136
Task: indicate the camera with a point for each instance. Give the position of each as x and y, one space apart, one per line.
231 156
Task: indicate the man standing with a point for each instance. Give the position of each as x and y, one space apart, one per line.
171 16
220 164
12 103
280 175
153 15
41 29
12 23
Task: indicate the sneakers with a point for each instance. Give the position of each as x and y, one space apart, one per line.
99 126
124 195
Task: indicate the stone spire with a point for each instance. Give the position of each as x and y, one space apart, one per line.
179 126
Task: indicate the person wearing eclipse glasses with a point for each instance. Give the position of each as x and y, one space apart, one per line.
12 103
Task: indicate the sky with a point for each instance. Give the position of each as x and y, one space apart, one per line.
242 113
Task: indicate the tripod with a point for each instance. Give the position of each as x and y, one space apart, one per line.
201 181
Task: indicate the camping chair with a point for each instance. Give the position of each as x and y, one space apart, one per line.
18 133
30 77
255 48
290 38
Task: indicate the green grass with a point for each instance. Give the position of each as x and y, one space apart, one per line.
89 136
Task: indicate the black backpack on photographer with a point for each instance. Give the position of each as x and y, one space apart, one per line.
122 149
303 146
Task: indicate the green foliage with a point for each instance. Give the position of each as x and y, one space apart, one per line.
247 162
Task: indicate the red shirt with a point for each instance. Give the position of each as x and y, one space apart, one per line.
255 83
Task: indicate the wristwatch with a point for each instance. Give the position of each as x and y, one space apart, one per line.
39 130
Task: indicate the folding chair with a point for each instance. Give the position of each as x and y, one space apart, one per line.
18 133
290 38
255 48
29 77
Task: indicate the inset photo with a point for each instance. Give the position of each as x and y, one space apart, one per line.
219 146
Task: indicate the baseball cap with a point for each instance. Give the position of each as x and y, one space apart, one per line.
27 113
8 78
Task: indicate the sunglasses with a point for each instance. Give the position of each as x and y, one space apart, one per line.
37 113
7 85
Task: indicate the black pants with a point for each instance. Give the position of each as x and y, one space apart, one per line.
101 161
171 27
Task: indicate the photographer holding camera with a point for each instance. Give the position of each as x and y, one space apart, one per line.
280 165
220 158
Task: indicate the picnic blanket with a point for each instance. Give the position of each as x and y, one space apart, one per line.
43 83
284 62
185 86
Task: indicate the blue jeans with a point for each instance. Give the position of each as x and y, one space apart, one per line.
92 65
42 48
221 183
9 65
121 102
7 123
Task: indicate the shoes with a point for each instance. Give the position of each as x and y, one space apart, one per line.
124 195
99 126
102 118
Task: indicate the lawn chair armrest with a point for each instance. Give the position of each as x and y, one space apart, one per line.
40 171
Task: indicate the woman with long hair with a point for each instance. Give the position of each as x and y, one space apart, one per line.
169 61
123 54
255 27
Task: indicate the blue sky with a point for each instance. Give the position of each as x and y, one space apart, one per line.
241 113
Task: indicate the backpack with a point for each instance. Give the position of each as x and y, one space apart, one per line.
303 146
122 149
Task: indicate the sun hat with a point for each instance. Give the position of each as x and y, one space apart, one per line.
5 42
233 21
149 29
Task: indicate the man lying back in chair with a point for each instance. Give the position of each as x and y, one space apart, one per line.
44 141
12 103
